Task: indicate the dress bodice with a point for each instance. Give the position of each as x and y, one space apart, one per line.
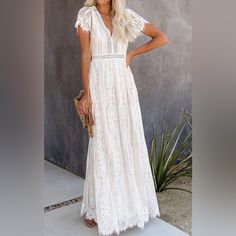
102 41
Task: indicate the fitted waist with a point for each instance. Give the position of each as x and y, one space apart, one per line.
108 56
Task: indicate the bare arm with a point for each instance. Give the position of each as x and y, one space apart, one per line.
158 39
84 40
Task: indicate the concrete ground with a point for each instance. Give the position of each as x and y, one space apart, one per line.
63 219
60 185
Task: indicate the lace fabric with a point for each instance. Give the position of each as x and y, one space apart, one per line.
84 19
137 20
118 190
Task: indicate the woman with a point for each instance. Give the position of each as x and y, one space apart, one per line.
119 191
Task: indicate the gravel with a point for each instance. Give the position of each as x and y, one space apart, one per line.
176 206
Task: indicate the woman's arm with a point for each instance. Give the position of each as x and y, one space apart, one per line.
84 40
158 39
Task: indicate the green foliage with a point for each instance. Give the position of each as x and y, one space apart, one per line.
174 157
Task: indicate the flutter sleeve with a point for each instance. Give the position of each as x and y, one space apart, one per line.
137 20
84 19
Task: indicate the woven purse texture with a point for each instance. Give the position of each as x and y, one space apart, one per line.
87 119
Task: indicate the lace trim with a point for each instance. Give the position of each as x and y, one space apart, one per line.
137 21
124 223
90 213
83 22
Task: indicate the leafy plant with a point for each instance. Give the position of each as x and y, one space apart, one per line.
174 157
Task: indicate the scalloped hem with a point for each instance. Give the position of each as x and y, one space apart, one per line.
129 227
122 227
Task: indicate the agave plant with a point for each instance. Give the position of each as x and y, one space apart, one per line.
174 157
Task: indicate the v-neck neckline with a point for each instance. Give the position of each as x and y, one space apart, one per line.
104 25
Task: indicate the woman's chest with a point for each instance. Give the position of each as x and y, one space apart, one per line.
102 37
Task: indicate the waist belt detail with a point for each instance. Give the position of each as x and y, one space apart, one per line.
107 56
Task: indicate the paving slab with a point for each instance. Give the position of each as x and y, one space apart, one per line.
60 185
66 221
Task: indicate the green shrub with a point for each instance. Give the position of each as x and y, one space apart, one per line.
174 157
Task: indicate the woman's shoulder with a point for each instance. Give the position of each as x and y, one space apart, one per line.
131 13
84 18
135 15
86 10
129 10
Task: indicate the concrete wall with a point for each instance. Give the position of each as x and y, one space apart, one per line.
163 77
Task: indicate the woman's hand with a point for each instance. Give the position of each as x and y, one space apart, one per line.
129 58
84 102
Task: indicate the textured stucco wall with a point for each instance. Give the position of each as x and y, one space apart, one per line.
163 77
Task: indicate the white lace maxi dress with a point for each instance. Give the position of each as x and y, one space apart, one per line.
118 190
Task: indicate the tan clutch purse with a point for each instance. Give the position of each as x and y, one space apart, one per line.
86 120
